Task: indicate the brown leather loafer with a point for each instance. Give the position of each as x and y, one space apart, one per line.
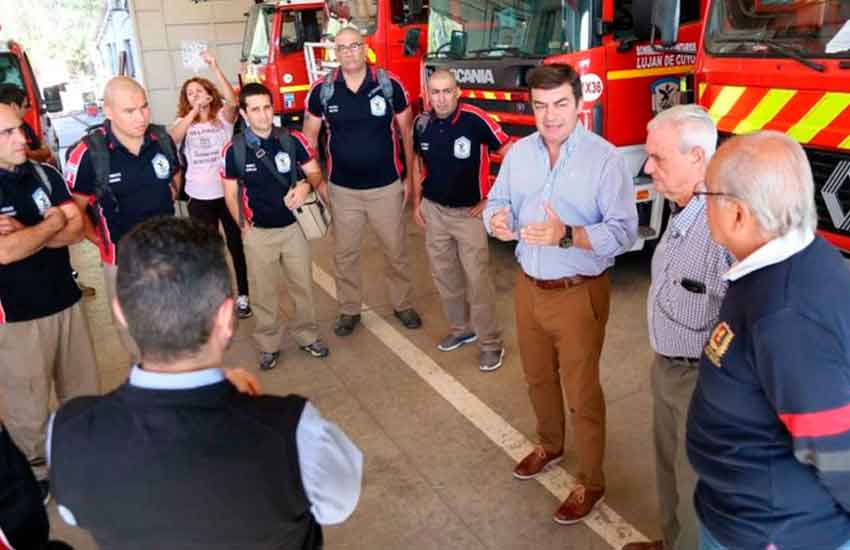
578 505
654 545
537 461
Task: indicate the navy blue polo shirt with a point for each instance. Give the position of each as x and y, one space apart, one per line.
141 184
455 152
41 284
364 151
262 195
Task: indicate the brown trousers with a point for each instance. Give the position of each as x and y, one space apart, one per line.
110 277
266 251
560 333
51 351
673 384
459 254
382 209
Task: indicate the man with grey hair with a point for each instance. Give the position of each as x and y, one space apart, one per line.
683 303
769 423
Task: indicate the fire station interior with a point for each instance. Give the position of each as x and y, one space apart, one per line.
439 437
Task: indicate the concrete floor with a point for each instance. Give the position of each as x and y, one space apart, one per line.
432 479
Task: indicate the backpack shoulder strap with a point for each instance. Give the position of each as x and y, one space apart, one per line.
42 175
386 84
99 153
287 143
240 154
165 143
326 91
421 123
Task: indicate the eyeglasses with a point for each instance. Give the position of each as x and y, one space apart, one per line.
702 190
353 47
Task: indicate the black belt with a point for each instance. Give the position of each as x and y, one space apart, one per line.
689 360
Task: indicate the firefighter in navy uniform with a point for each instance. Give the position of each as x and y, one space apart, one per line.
44 335
364 108
451 179
134 185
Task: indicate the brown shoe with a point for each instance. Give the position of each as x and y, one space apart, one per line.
532 465
578 505
654 545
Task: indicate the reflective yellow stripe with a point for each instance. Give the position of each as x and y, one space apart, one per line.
494 117
819 116
726 99
489 95
296 88
845 144
507 96
701 90
371 55
772 102
640 73
471 95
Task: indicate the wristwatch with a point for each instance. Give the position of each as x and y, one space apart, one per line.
567 240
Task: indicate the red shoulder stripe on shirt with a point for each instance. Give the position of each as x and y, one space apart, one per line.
223 167
491 124
818 424
302 139
73 164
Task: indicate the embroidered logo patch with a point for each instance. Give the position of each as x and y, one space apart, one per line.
718 343
41 200
378 105
283 162
161 166
462 148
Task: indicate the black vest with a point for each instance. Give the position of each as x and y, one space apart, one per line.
204 468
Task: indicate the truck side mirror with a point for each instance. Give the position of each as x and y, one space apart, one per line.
665 19
415 8
53 99
457 46
411 41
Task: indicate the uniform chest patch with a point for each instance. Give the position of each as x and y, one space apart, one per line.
41 200
718 343
250 167
333 108
378 105
424 146
283 162
462 148
161 166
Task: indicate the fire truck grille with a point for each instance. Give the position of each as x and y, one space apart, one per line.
500 105
831 172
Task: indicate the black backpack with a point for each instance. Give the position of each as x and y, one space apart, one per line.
326 91
240 159
95 140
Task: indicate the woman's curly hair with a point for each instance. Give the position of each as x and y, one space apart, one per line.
183 106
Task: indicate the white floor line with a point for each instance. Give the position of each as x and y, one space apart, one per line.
604 521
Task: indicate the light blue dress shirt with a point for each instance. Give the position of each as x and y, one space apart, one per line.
589 186
331 465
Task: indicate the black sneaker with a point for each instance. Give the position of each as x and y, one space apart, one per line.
409 318
243 307
268 361
44 489
452 342
317 349
345 324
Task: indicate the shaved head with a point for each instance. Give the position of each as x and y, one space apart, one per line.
443 74
120 85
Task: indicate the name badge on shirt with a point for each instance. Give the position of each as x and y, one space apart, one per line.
41 200
424 145
283 162
161 166
250 167
463 147
378 105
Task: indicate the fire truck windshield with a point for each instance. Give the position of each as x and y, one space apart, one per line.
10 71
779 28
496 28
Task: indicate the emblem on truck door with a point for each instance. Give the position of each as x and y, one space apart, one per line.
838 179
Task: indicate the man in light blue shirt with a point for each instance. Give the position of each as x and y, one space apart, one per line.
177 457
564 193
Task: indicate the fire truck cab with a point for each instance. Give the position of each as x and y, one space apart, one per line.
15 69
276 33
490 45
784 65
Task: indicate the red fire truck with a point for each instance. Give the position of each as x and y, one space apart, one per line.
785 65
490 45
15 69
276 32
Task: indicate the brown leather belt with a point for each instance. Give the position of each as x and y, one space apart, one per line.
563 282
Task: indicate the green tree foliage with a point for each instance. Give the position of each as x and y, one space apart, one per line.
55 31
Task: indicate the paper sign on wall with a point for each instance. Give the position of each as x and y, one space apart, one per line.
191 51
